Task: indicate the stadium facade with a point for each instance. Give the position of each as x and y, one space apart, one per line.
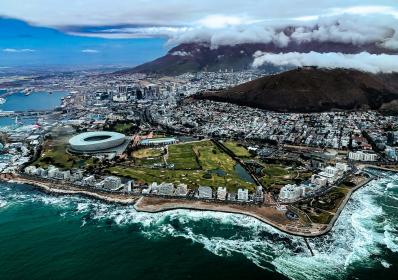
96 141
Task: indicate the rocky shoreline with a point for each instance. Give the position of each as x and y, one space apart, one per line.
47 188
267 214
270 215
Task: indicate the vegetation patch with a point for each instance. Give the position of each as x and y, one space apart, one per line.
321 218
123 127
55 153
182 156
237 149
147 153
331 200
195 165
278 175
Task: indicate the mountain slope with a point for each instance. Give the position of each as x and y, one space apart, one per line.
195 57
314 90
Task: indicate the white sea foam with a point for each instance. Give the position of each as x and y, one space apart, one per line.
356 237
391 237
359 235
385 264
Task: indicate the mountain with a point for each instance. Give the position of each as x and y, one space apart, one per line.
310 89
193 57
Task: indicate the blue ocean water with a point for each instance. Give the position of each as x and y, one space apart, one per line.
34 101
71 237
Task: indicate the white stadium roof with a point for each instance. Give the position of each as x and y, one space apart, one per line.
96 141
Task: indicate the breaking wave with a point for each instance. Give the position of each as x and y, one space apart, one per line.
3 203
366 228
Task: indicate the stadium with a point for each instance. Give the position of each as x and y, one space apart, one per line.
96 141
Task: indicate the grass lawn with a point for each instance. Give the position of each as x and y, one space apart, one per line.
211 157
276 170
54 153
183 156
147 153
203 157
275 181
237 149
280 175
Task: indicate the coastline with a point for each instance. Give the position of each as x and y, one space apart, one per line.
46 188
261 213
343 204
266 214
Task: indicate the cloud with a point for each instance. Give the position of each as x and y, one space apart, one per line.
90 51
220 21
364 61
220 30
280 22
12 50
350 29
128 32
180 12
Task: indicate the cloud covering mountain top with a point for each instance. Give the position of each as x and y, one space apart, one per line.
224 22
374 63
356 30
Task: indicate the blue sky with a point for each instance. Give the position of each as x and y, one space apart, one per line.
24 45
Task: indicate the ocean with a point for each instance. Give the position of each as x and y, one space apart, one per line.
34 101
64 237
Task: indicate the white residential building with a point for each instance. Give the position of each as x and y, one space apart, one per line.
76 176
166 189
129 186
52 171
205 192
89 181
243 195
153 188
362 156
30 170
342 166
181 190
61 175
290 193
319 181
330 173
221 193
41 172
259 195
112 182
